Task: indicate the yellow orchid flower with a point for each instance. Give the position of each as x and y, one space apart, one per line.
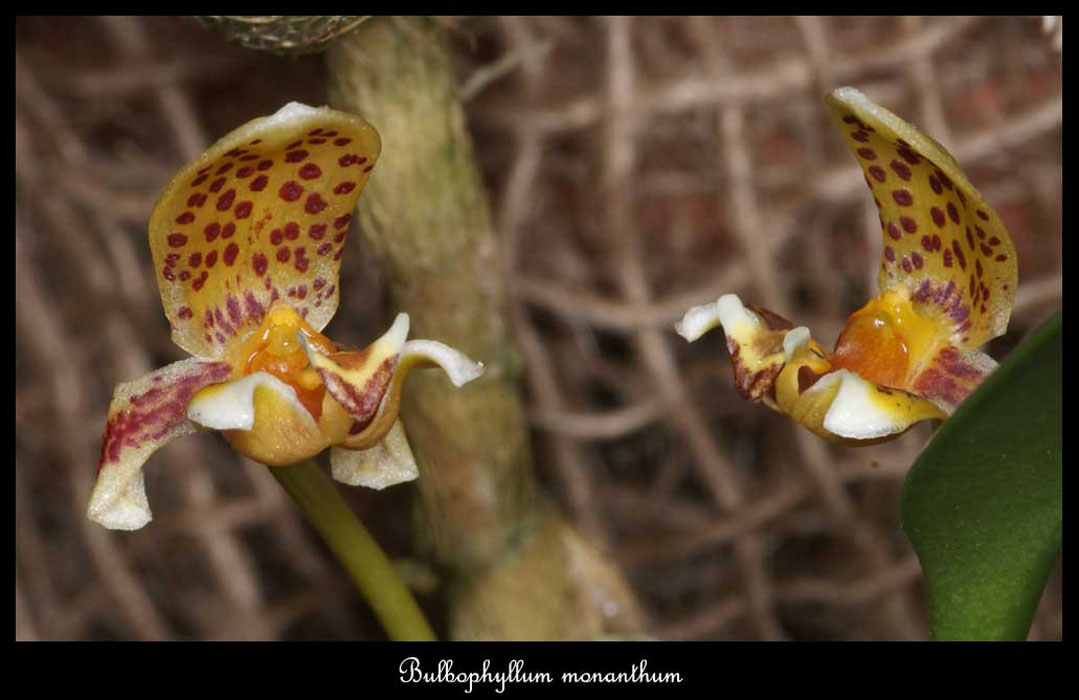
947 279
246 243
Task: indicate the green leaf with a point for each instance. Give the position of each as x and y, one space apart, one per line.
982 505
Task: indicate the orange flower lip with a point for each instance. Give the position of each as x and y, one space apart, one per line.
274 348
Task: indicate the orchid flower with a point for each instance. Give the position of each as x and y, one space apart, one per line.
246 242
947 284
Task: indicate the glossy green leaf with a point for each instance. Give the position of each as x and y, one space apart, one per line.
982 505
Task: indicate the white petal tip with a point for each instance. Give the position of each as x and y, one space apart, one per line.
727 311
460 368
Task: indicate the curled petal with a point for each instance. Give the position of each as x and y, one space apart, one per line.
942 240
387 463
415 353
144 415
358 378
262 417
755 340
261 216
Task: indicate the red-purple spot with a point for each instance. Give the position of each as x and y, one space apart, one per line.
938 216
936 242
903 197
909 225
324 248
900 169
342 142
276 236
199 180
982 215
294 144
177 240
310 171
1001 258
316 132
259 264
264 165
211 258
246 171
935 184
893 231
317 231
259 183
283 254
981 234
319 283
254 308
290 191
183 312
230 253
301 264
889 254
947 258
909 155
346 160
315 203
292 230
228 230
197 284
916 258
986 250
875 170
185 218
194 260
953 213
301 291
369 168
316 142
295 156
970 239
959 254
342 221
224 169
217 184
243 209
906 265
927 243
168 274
224 203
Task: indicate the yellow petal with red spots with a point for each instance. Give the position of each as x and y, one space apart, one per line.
261 216
388 463
144 415
261 417
942 240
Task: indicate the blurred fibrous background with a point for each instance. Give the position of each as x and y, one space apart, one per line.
635 167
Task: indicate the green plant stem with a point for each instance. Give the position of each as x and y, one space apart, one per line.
367 565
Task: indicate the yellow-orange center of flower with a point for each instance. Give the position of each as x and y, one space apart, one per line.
887 340
275 348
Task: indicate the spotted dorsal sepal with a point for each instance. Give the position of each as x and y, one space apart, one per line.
261 216
942 240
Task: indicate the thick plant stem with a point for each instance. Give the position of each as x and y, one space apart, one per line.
517 569
365 562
